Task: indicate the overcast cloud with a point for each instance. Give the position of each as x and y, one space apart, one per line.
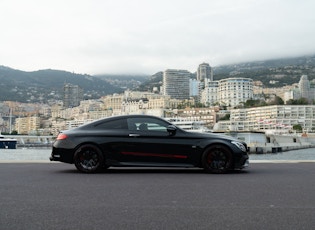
147 36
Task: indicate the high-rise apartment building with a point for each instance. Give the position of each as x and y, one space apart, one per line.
176 83
72 96
307 89
204 72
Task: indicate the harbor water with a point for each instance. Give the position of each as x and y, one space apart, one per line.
43 154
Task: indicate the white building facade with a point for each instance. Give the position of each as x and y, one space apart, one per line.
230 92
276 117
210 95
234 91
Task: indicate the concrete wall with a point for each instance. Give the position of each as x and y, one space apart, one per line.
261 143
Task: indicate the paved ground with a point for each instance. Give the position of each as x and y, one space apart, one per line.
55 196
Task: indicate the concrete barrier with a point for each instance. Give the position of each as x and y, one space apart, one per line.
260 143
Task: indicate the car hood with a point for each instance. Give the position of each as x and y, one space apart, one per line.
217 135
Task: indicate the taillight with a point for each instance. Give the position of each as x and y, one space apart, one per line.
62 136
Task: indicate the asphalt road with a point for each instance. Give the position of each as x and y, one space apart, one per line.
55 196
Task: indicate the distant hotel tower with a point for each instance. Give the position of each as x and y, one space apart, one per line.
305 88
204 72
176 83
72 96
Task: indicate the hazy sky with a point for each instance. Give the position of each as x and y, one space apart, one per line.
147 36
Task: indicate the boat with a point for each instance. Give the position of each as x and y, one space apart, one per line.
189 125
7 143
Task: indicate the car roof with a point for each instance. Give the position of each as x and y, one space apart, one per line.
93 123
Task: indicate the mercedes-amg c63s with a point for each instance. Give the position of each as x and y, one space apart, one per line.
142 140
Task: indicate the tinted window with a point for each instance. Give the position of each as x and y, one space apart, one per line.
113 124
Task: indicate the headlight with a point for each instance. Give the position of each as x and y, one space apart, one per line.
239 145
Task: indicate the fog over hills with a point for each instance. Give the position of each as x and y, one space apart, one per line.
272 73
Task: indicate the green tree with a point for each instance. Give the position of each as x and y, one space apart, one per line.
297 128
301 101
276 101
14 132
199 105
226 117
254 103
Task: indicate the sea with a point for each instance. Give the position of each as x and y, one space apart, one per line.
43 154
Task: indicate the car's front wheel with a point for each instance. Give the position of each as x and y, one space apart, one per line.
88 158
217 159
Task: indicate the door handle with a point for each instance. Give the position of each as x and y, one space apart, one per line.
134 135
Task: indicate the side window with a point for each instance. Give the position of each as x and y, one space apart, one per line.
114 124
147 124
156 127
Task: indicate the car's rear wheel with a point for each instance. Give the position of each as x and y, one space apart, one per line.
88 158
217 159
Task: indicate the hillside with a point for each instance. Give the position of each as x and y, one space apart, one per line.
123 81
44 85
155 80
272 73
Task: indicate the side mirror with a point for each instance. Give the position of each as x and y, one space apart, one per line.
171 129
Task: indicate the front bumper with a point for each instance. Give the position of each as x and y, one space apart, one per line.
241 163
63 155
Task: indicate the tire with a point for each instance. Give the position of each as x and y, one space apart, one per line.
88 158
217 159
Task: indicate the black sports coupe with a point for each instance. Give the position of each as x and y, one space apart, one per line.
143 140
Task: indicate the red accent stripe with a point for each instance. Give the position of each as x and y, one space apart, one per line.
154 155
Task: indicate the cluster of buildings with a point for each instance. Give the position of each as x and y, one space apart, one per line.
229 92
177 97
304 89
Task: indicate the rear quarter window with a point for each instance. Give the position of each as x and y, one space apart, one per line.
113 124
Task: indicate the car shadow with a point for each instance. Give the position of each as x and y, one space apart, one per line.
146 170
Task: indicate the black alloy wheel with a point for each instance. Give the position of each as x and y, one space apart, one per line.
88 158
217 159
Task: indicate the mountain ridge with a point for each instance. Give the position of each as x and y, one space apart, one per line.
22 86
47 85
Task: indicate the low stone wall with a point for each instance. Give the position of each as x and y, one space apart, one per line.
276 149
260 143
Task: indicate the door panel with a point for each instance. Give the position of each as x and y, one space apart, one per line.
150 142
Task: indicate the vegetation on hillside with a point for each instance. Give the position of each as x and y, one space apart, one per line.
272 73
45 85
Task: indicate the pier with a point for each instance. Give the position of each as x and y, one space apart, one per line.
32 141
261 142
258 142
